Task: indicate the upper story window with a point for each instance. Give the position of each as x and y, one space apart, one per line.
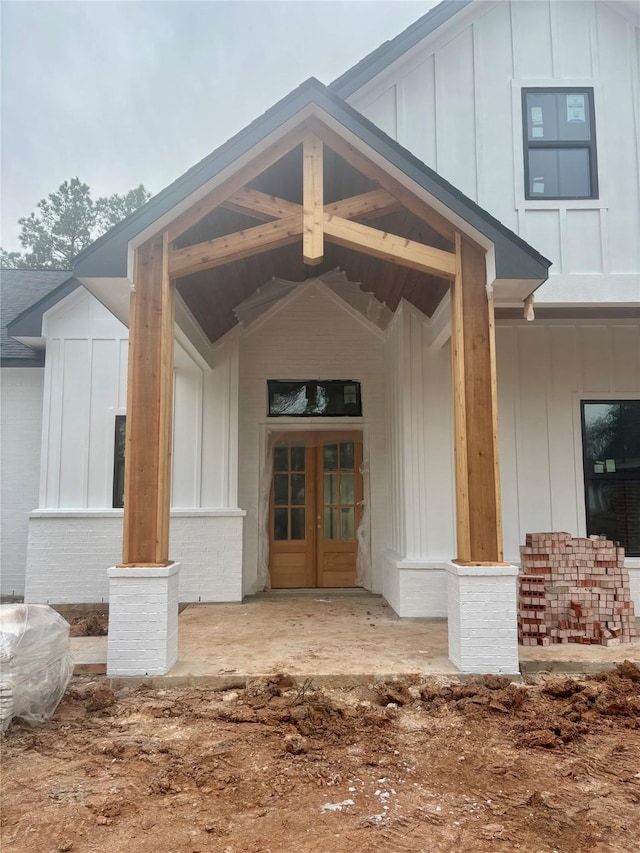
559 144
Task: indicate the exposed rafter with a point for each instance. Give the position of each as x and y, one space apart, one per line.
389 247
234 247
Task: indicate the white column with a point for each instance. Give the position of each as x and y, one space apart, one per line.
143 620
482 618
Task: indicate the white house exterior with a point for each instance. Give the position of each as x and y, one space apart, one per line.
450 90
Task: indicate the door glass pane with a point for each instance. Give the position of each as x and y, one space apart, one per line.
347 525
331 457
297 489
331 489
331 523
297 458
281 458
347 494
280 489
346 455
297 523
280 523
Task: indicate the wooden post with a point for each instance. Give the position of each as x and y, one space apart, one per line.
478 509
149 409
312 201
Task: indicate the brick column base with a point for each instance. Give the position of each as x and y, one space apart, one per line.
143 620
482 618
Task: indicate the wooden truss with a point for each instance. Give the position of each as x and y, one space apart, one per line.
159 263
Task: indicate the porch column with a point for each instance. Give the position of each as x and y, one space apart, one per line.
481 588
143 589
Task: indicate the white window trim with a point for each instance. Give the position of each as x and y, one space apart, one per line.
523 203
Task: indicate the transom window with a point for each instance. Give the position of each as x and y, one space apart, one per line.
611 449
559 143
311 398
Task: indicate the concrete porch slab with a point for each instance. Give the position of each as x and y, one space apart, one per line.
334 637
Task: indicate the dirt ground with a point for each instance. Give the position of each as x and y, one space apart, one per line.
410 765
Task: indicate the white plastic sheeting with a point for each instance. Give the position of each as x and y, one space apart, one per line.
35 662
350 292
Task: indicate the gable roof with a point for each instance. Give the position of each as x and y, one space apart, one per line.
380 58
26 295
514 258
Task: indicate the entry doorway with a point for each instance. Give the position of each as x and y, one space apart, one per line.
315 509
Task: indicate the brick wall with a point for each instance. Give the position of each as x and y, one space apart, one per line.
69 555
20 440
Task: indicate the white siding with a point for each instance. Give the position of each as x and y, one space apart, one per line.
544 370
456 104
20 432
312 335
86 387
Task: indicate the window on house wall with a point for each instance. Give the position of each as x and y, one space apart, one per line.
118 461
611 450
559 144
311 398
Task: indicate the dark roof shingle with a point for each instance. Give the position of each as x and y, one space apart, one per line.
19 291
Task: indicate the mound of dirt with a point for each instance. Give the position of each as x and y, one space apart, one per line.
405 765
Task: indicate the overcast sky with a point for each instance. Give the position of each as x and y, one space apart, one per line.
123 93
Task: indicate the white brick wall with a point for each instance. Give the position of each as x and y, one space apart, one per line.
20 439
482 618
69 554
415 589
143 620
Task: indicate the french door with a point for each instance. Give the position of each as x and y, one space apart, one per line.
315 509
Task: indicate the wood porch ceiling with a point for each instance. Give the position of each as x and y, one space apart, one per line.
212 294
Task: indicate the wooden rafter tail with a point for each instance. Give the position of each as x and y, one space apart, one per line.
260 205
234 247
312 201
389 247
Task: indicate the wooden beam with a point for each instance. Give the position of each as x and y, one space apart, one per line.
459 411
149 409
166 405
371 204
312 201
478 507
260 205
368 168
233 247
235 182
389 247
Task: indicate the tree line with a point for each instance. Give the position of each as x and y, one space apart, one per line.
67 221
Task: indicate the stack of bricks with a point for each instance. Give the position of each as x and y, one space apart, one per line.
573 591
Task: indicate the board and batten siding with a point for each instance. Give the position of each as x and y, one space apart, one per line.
20 432
455 102
311 334
544 371
86 387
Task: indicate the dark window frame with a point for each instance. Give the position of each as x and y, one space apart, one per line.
119 444
272 385
554 145
589 475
